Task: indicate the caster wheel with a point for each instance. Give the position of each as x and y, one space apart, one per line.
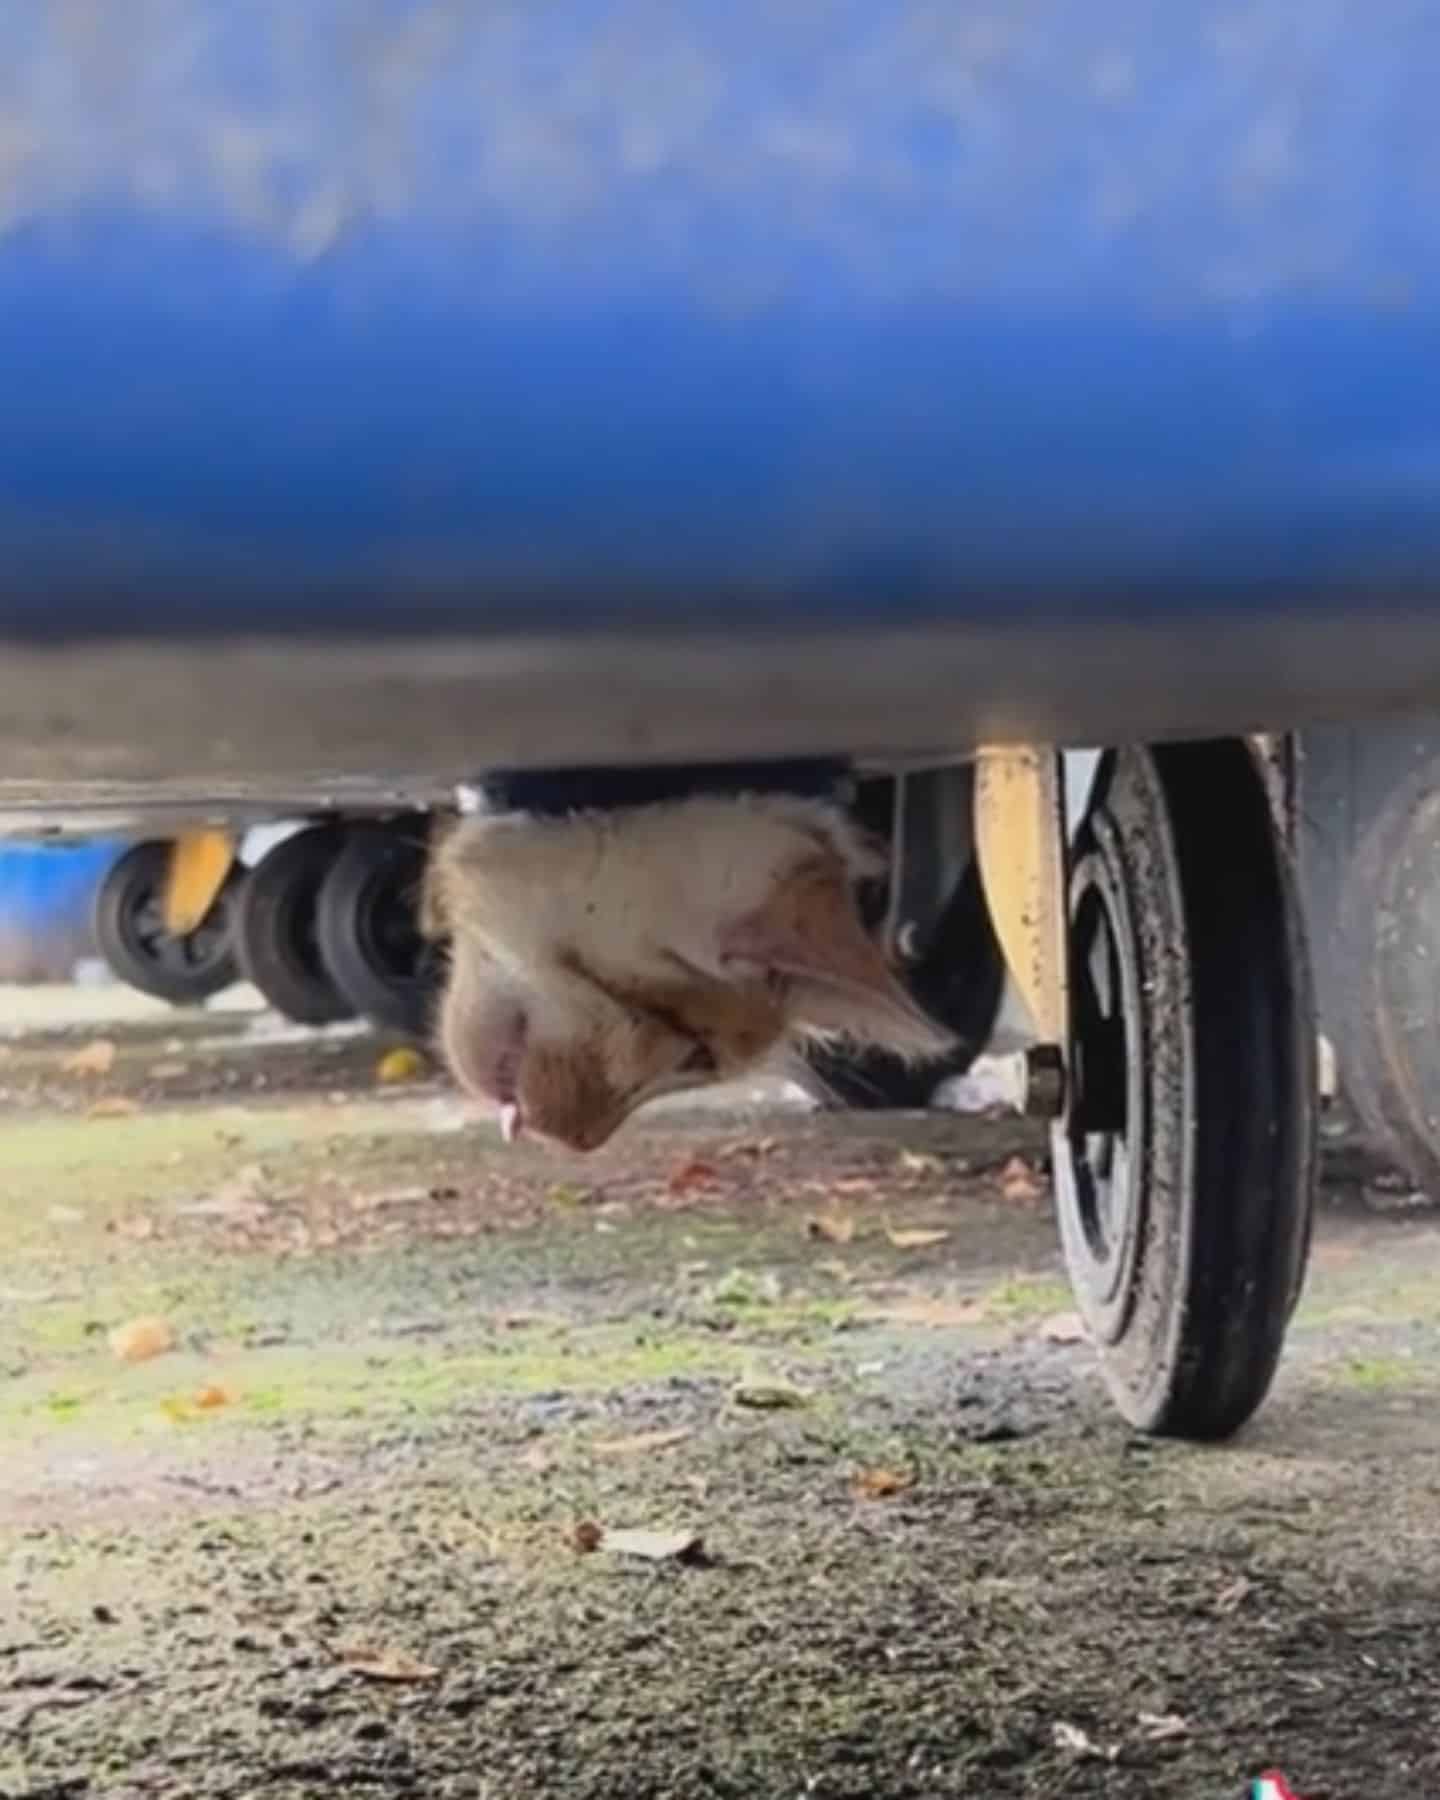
369 929
961 982
1184 1164
277 934
130 929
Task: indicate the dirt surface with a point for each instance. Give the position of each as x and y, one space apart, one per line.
341 1532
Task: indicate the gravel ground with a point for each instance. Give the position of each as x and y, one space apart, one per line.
352 1522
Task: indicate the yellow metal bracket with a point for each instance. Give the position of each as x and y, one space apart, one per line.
199 864
1020 841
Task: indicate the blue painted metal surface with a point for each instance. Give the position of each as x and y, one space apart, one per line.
341 317
46 897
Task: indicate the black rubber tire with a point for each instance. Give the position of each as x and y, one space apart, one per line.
960 982
369 930
130 931
1194 1043
1385 973
277 937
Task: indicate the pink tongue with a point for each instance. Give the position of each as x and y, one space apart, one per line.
510 1122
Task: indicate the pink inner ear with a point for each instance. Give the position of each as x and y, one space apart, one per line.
809 932
483 1029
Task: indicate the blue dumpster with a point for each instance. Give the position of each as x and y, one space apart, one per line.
47 893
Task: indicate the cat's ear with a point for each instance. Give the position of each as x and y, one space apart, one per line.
808 932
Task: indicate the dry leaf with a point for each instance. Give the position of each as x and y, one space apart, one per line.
1064 1328
241 1198
880 1484
141 1339
940 1314
113 1106
97 1058
406 1196
1160 1728
653 1546
1071 1737
747 1147
694 1172
1019 1182
1231 1597
921 1162
387 1665
640 1442
917 1239
587 1536
209 1397
404 1064
767 1396
833 1227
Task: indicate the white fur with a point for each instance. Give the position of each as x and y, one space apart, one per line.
637 888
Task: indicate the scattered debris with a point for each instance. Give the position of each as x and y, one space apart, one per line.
1064 1328
834 1228
587 1536
767 1396
693 1173
1161 1728
881 1484
242 1198
653 1546
140 1339
95 1058
405 1196
404 1064
211 1396
1231 1598
742 1288
64 1215
920 1309
168 1071
751 1147
1020 1184
113 1106
920 1162
1080 1743
920 1238
640 1442
387 1665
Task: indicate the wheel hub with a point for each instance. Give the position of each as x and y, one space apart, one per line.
1097 1156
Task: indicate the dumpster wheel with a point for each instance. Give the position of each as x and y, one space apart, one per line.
183 967
369 927
1183 1148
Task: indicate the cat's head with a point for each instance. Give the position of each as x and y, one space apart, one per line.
596 964
570 1056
